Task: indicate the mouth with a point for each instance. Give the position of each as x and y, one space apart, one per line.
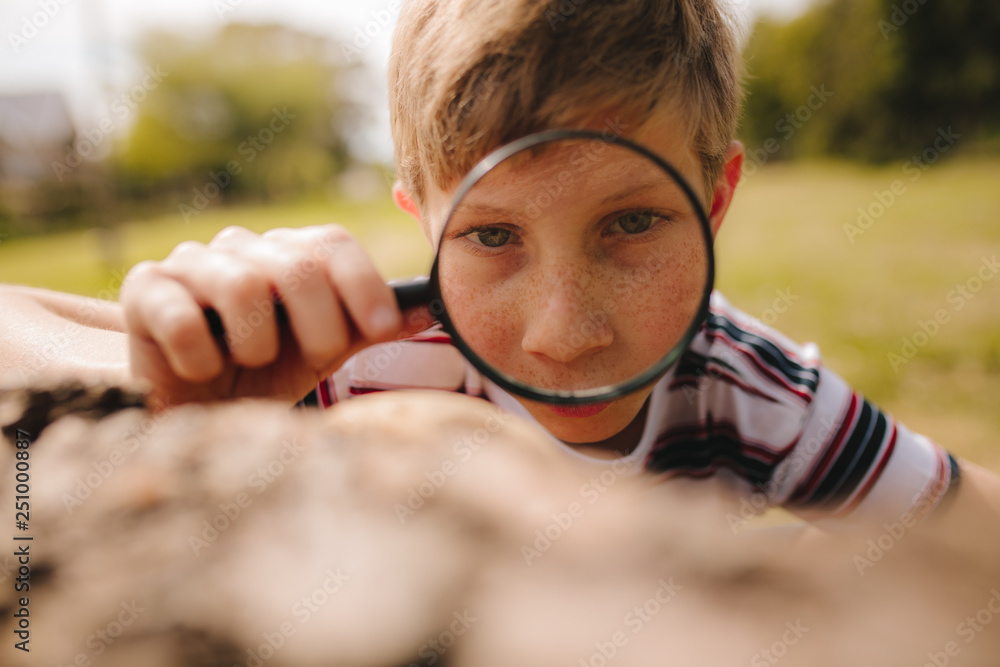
579 411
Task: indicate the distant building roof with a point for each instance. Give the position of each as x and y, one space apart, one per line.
34 130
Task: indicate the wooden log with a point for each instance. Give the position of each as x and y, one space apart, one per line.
428 529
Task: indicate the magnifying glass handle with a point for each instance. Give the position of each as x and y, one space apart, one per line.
413 292
409 293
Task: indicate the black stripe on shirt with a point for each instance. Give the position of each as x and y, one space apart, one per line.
692 364
854 460
775 358
707 452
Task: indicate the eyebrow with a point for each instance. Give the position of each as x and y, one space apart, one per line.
638 189
482 209
490 209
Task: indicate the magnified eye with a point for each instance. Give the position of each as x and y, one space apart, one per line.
492 237
635 223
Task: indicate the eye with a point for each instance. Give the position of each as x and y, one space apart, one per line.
492 237
635 222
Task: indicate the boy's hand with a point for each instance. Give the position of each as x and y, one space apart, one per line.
335 300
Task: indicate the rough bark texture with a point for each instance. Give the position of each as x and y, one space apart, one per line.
398 529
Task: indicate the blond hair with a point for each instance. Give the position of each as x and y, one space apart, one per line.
467 76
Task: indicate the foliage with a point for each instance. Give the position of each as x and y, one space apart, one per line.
256 110
898 69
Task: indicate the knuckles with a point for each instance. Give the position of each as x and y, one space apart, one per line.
241 284
138 274
184 251
230 234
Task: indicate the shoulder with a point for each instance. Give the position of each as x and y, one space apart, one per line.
737 357
739 398
746 399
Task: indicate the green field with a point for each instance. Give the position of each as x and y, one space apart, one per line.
858 293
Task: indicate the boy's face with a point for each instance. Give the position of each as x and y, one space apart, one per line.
537 295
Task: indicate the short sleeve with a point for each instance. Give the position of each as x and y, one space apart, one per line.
854 461
748 402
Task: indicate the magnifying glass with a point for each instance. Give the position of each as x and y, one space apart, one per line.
572 268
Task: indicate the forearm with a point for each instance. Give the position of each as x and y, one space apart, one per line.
969 521
50 334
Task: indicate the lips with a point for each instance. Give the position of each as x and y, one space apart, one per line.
579 411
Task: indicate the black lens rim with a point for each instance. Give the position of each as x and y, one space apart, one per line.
596 394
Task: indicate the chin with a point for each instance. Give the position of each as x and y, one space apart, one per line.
587 423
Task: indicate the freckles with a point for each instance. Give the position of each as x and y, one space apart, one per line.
488 320
660 312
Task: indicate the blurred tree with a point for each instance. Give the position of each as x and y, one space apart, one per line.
951 52
897 69
252 111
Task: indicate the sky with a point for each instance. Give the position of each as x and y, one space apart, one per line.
83 48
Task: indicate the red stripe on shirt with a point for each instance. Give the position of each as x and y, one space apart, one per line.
861 494
830 455
762 366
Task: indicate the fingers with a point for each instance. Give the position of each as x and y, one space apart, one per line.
335 300
315 314
164 319
238 291
369 301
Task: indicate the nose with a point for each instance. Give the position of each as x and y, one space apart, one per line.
564 324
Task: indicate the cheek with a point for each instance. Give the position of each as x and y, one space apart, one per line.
489 318
659 300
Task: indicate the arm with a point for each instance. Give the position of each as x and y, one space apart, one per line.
335 301
969 521
45 333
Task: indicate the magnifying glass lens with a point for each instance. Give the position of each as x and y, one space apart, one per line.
573 268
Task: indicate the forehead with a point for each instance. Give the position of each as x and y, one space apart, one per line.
576 169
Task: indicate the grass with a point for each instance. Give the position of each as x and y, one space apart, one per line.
75 261
861 295
858 295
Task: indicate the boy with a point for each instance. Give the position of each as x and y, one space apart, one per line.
467 76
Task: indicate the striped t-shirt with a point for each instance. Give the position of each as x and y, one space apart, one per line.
743 404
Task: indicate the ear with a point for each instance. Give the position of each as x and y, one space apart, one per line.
725 187
406 204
